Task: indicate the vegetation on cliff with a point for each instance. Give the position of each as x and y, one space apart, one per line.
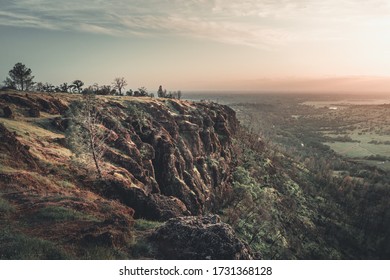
162 159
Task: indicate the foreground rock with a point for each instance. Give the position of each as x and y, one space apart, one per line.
199 238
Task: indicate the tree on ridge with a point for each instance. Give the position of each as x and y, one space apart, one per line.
119 84
19 77
78 84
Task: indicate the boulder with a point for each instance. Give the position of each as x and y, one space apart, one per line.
199 238
8 113
155 207
34 112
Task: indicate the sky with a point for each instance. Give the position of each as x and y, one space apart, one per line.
263 45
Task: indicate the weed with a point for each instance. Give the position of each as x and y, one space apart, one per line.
142 224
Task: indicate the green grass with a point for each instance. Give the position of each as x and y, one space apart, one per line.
101 253
60 214
5 207
17 246
142 224
142 249
351 150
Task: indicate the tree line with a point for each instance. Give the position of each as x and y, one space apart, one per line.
20 78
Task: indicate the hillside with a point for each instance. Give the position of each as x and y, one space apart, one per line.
179 180
163 159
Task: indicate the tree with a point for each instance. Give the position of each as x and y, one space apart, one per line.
78 85
129 92
179 94
161 92
39 86
47 87
19 77
87 134
64 87
143 91
119 84
104 90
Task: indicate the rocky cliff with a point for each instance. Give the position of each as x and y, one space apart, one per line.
163 159
174 157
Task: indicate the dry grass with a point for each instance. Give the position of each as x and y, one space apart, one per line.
28 129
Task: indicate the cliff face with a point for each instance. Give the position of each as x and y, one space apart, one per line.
164 158
175 157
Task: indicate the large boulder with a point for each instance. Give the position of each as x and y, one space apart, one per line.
199 238
155 207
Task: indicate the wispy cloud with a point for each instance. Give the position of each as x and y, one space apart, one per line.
263 24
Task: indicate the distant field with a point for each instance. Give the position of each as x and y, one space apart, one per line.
359 150
346 102
355 127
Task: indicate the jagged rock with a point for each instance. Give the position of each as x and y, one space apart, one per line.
18 100
199 238
34 112
170 150
149 206
163 207
17 153
114 232
47 104
8 113
60 123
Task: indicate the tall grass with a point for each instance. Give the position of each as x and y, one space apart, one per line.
17 246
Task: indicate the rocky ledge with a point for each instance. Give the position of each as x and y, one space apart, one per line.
199 238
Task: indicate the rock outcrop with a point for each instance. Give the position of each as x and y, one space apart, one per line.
32 104
178 154
164 159
199 238
14 153
172 157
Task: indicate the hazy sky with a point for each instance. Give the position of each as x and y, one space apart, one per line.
201 44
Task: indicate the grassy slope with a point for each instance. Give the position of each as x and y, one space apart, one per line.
44 212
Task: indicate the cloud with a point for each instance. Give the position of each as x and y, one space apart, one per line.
263 24
20 20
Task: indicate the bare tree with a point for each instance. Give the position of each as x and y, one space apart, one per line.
87 135
119 84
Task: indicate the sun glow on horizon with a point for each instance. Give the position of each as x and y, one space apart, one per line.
291 45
